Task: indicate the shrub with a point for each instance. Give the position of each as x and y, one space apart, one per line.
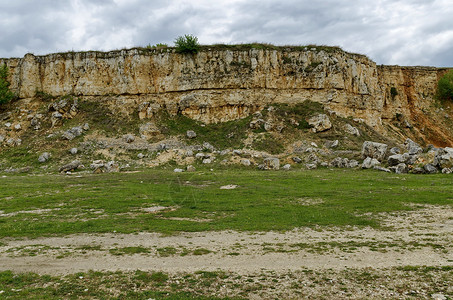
187 44
445 87
5 93
393 92
157 46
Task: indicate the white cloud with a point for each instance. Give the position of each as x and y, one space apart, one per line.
405 32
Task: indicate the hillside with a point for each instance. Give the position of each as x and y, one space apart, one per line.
130 106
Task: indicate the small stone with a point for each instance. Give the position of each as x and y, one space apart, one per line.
8 125
394 150
297 159
378 168
190 168
245 162
73 151
311 166
208 146
44 157
140 155
369 163
271 163
401 169
177 170
2 138
128 138
206 161
191 134
352 130
331 144
200 155
71 166
439 296
86 127
237 152
189 153
17 127
286 167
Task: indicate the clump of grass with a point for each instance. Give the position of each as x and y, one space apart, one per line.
129 251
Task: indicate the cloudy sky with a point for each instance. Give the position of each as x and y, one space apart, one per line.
404 32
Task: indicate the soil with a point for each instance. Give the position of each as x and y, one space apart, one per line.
420 237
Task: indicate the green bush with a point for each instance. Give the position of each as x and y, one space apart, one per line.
393 92
5 93
445 87
187 44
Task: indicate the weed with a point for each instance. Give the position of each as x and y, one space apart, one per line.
166 251
201 251
129 251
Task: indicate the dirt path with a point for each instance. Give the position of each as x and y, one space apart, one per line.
423 237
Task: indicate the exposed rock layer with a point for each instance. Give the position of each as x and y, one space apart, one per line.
221 85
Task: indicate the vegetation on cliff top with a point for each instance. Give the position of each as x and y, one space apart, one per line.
5 93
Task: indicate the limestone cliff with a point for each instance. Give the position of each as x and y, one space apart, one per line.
217 85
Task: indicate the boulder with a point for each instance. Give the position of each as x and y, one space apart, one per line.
297 159
418 170
271 163
378 168
394 150
352 164
71 166
320 123
311 166
401 168
191 134
444 158
245 162
396 159
351 130
44 157
374 150
430 169
257 124
339 162
72 133
331 144
286 167
178 170
412 147
447 171
369 163
206 161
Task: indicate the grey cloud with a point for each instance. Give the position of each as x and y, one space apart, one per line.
405 32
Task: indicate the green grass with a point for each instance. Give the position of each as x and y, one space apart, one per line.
264 200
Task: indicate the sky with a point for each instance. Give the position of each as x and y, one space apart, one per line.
392 32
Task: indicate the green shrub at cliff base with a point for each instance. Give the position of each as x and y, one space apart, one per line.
187 44
445 87
5 94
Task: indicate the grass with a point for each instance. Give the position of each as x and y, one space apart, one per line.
265 200
416 281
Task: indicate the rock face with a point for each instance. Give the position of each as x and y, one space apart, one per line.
221 85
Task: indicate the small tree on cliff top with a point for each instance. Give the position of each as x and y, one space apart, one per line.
187 44
5 94
445 87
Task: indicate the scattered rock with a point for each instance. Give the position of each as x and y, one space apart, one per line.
178 170
128 138
331 144
268 126
418 170
190 168
374 150
245 162
297 159
444 158
286 167
72 166
140 155
311 166
394 150
439 297
86 127
191 134
430 169
44 157
2 138
320 123
207 161
412 147
200 155
378 168
189 153
271 163
256 124
208 146
72 133
17 127
369 163
401 168
396 159
237 152
352 164
73 151
14 142
98 166
352 130
447 171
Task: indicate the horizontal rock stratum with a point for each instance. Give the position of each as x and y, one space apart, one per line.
220 84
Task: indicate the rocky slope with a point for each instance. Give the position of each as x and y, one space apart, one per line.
275 89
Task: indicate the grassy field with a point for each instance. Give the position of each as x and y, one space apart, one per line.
43 205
